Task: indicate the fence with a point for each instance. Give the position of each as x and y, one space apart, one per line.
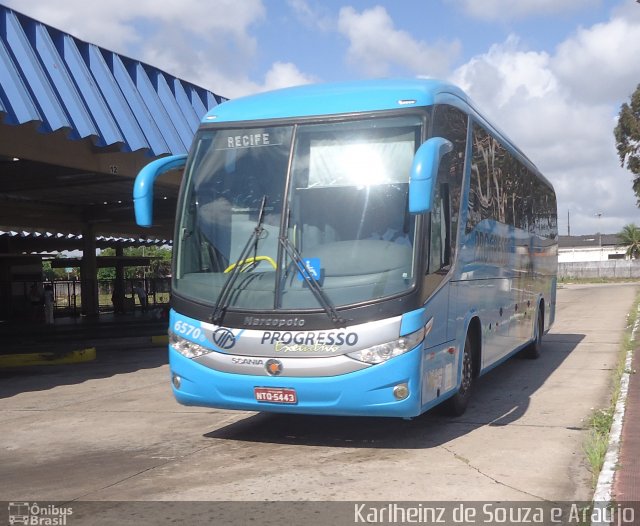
68 296
158 291
612 269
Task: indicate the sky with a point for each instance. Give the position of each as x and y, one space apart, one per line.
551 74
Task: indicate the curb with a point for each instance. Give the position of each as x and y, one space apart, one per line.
48 358
602 497
160 340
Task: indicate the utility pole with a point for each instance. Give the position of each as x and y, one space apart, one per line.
599 215
568 222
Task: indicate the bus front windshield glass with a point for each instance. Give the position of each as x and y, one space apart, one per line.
344 214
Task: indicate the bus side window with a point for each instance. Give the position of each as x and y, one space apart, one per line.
446 224
452 124
440 227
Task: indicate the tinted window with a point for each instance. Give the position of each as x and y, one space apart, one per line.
451 123
503 189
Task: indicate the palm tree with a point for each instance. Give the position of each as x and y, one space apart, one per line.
630 237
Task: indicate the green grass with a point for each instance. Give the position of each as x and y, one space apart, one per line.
599 423
597 441
580 281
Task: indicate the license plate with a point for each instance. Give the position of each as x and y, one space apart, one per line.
275 395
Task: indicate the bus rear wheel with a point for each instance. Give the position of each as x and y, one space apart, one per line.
534 349
457 404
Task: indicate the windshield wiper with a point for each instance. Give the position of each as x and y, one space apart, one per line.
318 292
225 292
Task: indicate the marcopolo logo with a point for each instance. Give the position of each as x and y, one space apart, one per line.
223 338
273 322
38 514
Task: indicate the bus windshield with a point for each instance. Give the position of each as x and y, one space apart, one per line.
335 193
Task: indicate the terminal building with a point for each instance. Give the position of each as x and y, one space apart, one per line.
77 123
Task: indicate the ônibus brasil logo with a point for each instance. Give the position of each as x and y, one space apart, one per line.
38 514
223 338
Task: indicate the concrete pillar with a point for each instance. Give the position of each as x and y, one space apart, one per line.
6 297
6 294
118 285
89 273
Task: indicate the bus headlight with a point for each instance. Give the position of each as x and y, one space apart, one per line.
385 351
186 347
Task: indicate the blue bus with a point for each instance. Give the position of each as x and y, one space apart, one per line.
365 248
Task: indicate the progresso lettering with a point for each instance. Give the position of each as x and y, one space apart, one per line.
310 338
492 249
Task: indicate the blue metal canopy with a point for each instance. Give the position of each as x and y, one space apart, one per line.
62 83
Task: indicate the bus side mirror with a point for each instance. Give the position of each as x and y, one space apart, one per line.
424 172
143 186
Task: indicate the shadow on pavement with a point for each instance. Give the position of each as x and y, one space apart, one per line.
117 358
122 343
500 397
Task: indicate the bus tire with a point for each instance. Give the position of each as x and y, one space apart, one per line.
457 404
534 349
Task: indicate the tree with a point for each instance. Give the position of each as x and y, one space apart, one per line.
107 273
627 134
160 265
52 274
630 238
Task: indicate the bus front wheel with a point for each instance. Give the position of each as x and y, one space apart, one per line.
457 404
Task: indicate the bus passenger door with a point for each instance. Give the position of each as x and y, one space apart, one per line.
452 124
439 263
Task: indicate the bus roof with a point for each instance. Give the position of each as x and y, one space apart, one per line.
332 99
313 100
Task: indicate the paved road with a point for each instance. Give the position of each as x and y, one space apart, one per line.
110 430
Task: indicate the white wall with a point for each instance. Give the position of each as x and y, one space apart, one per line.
576 255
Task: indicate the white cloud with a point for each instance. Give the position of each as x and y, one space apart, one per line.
505 71
112 24
285 74
375 45
101 23
559 106
206 43
187 39
316 16
601 63
509 9
280 75
567 131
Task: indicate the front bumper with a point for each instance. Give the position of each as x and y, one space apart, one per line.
368 392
